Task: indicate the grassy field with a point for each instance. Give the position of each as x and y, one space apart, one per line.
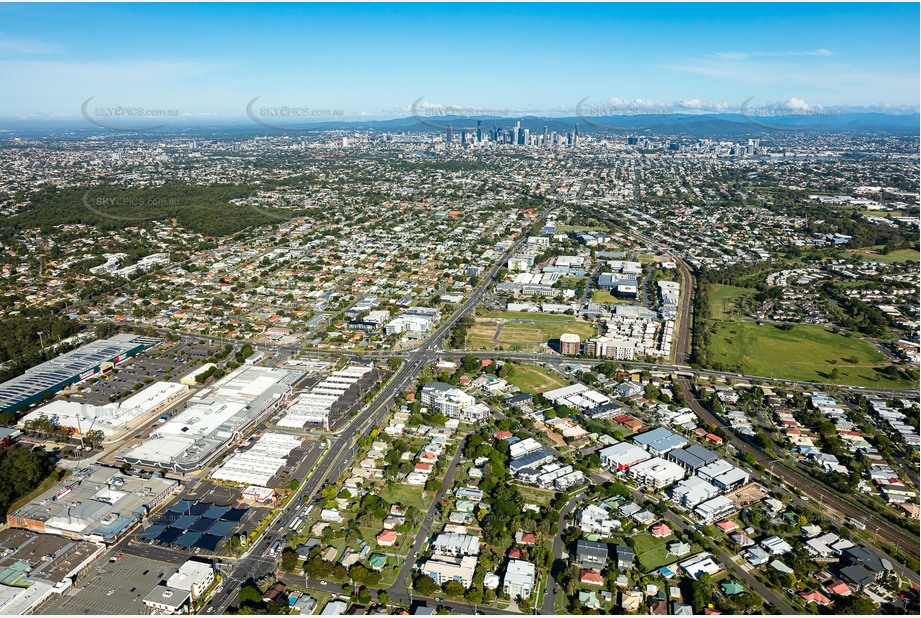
524 330
603 296
525 315
651 552
722 298
901 255
570 282
533 495
534 379
405 495
479 336
807 352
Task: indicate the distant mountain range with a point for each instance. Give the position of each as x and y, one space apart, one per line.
683 124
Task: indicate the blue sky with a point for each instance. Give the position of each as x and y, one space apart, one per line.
375 60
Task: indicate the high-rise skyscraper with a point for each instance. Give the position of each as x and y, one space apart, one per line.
450 136
479 131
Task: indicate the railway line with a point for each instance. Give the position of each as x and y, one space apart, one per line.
898 538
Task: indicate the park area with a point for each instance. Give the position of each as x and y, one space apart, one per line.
803 352
893 257
723 300
511 330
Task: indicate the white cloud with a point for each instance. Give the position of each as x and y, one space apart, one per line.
703 104
20 45
797 104
742 55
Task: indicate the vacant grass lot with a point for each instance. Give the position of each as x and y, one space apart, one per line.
603 296
525 315
651 552
534 379
807 352
407 495
533 495
722 299
522 331
901 255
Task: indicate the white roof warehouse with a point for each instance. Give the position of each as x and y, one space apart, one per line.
111 419
232 406
70 368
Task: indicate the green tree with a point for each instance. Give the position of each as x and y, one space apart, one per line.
249 595
289 560
425 585
454 589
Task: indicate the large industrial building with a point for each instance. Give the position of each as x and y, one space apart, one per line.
112 419
96 504
69 368
259 464
215 417
316 405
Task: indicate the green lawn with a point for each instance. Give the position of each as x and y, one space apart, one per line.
542 332
405 495
533 495
901 255
722 299
651 552
603 296
525 315
807 353
534 379
518 335
570 282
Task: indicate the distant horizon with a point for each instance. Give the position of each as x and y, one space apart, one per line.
632 112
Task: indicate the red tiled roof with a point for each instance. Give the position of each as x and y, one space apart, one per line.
588 576
815 596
